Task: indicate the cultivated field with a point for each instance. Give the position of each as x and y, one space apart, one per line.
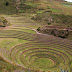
21 45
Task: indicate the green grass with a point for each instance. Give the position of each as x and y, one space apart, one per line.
40 12
10 9
34 5
43 53
55 10
23 30
21 11
43 63
21 21
67 4
16 51
8 67
8 43
30 63
26 30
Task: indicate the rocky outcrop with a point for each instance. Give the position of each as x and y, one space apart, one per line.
63 33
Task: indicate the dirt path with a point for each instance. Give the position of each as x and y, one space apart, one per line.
50 36
40 33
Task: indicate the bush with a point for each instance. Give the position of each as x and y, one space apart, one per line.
38 29
48 11
49 23
7 3
62 19
2 26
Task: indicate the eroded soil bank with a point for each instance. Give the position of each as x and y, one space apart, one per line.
63 32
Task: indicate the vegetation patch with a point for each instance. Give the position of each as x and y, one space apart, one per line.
8 67
29 55
54 19
67 4
55 10
43 63
4 22
63 33
40 11
8 7
41 50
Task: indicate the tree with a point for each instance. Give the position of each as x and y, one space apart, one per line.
7 3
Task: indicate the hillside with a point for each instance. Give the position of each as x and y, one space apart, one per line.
35 36
7 7
4 22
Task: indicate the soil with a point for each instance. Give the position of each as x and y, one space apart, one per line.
3 28
62 32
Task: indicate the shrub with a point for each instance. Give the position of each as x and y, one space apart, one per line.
49 23
38 29
3 26
48 11
7 3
